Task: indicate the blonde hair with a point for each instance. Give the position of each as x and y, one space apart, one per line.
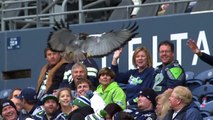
164 97
183 93
146 51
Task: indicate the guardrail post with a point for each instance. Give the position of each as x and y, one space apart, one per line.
81 14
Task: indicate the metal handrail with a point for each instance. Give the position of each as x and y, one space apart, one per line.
23 8
18 1
82 10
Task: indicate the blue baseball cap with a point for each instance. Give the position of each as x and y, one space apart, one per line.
28 94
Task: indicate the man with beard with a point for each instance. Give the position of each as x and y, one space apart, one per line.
51 109
170 73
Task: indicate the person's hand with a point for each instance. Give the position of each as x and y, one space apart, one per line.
116 55
191 43
164 6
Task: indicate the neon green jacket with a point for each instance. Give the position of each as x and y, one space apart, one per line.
113 94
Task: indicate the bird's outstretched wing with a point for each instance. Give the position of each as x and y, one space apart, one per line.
108 42
79 47
61 37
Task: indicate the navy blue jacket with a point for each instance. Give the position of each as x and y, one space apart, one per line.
190 112
138 114
135 81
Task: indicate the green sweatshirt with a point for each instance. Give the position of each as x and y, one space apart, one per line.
113 94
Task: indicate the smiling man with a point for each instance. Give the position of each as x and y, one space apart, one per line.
170 73
51 111
8 110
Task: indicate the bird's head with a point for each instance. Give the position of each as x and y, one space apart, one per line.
83 36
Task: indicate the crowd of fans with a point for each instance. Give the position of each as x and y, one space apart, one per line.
80 91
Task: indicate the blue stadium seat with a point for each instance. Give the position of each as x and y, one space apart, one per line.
189 75
150 10
122 86
203 5
208 108
210 81
205 75
209 97
202 91
205 114
5 93
197 103
208 118
176 8
13 13
193 83
123 13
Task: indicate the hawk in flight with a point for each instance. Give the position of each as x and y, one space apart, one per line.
77 47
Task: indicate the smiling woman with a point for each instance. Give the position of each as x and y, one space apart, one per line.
138 78
109 90
64 99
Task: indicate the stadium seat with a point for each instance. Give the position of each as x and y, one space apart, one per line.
197 103
189 75
203 5
208 118
44 3
150 10
209 97
207 108
12 6
202 91
176 8
122 86
193 83
205 75
205 114
5 93
210 81
122 13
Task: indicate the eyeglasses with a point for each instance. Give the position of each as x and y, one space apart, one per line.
166 51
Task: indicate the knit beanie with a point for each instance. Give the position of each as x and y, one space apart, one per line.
81 101
150 94
6 103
